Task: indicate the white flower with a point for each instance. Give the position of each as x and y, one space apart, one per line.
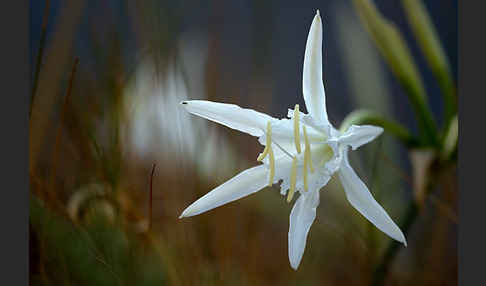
303 152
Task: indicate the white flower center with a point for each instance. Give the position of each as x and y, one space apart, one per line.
322 154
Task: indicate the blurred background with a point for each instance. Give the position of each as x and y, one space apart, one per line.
114 159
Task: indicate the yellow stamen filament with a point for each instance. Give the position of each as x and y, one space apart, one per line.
293 180
269 151
307 152
305 171
272 167
269 143
296 128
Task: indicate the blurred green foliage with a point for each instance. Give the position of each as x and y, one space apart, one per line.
99 252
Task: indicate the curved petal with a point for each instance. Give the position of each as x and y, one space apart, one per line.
245 183
230 115
358 135
312 84
301 218
361 199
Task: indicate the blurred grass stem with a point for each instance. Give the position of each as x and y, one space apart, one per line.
150 198
57 143
40 53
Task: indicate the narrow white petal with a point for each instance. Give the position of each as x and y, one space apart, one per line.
313 86
245 183
358 135
230 115
301 218
362 200
283 130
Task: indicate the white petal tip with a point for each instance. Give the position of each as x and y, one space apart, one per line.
401 238
184 214
318 13
294 263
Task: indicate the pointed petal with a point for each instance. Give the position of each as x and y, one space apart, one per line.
230 115
301 218
361 199
313 86
245 183
358 135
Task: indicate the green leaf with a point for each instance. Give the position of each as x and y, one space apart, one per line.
429 43
451 139
394 50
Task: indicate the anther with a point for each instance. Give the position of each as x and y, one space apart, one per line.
272 167
293 180
296 128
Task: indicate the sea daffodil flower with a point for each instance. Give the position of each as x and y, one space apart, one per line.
302 152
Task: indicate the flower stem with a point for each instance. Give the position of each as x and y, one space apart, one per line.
392 250
438 169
